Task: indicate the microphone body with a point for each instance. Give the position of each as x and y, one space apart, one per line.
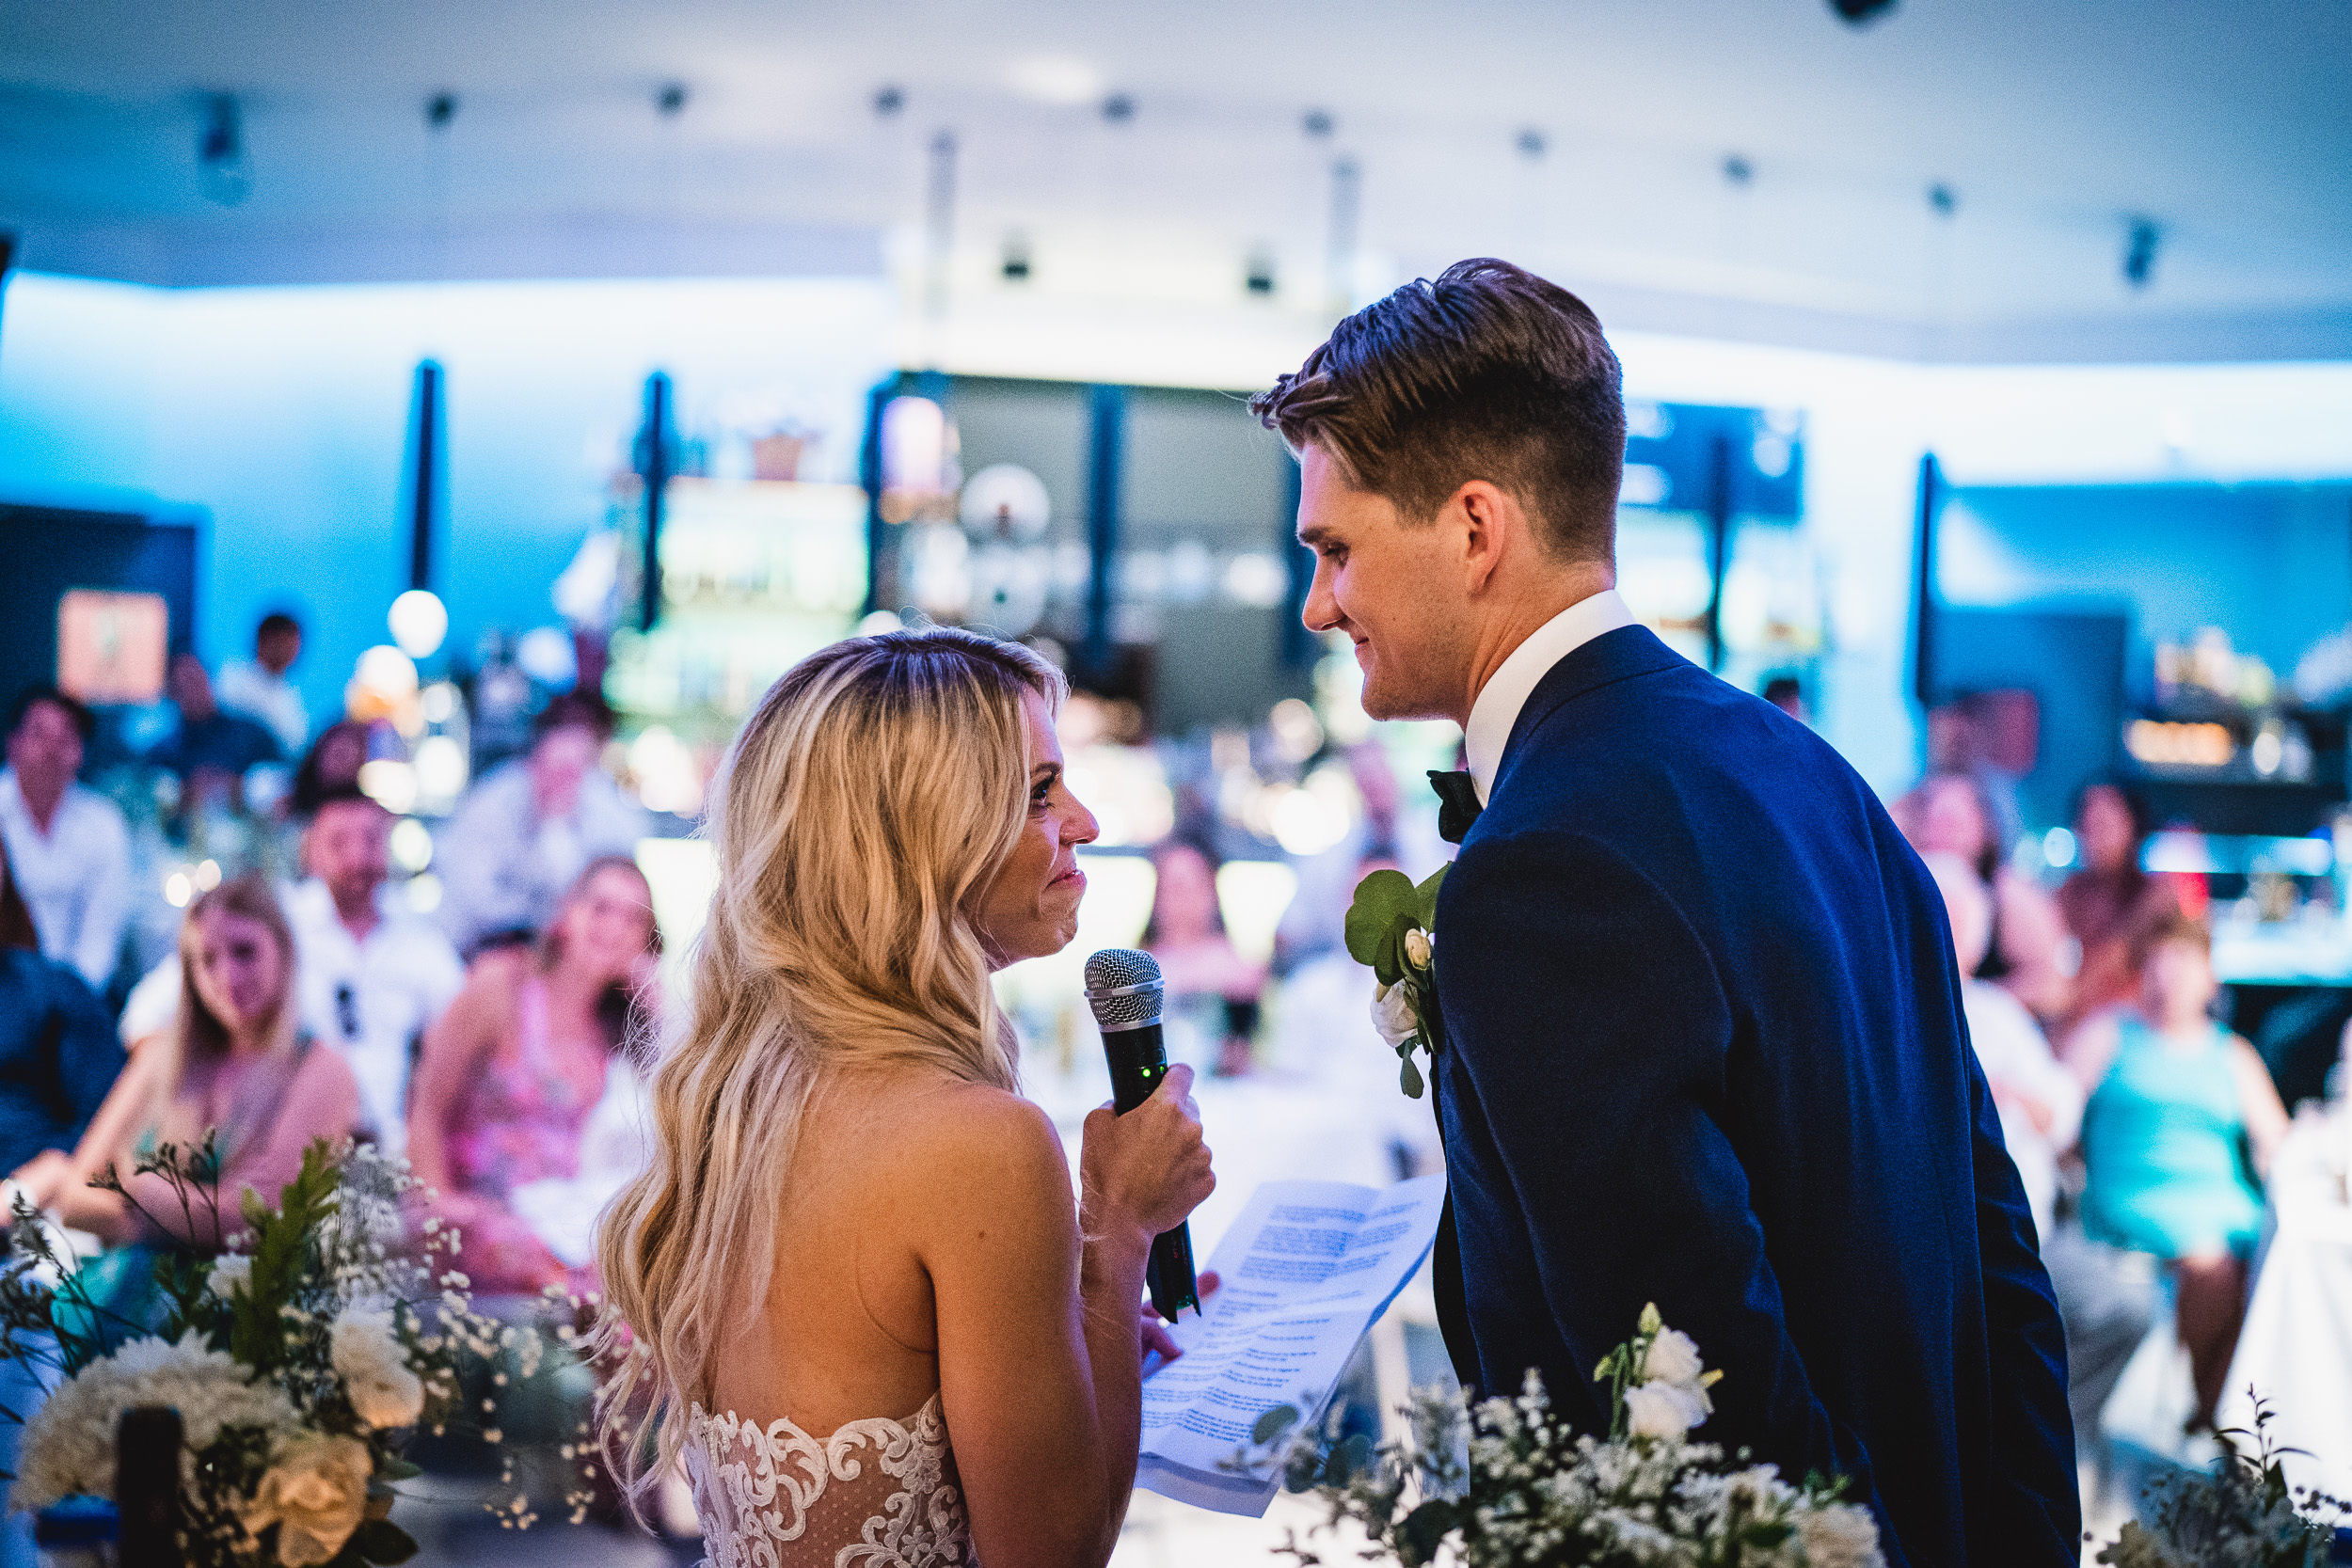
1123 989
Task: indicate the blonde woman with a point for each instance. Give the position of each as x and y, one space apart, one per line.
234 1066
870 1313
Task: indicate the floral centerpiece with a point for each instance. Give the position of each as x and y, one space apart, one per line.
1502 1484
300 1361
1392 927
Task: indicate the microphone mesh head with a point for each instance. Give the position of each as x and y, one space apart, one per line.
1118 969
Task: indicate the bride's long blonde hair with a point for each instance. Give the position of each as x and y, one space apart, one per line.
872 796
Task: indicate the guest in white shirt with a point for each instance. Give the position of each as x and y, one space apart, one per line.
259 689
2039 1101
372 975
69 845
526 831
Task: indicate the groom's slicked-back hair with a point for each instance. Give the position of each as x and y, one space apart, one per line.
1488 372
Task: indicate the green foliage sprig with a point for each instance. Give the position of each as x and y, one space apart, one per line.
1392 930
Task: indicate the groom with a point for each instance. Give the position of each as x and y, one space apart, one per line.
1703 1035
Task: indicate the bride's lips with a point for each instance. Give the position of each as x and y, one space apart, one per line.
1070 878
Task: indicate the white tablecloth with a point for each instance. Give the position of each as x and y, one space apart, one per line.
2295 1351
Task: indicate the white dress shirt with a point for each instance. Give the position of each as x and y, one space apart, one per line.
1507 689
371 999
75 878
505 866
248 687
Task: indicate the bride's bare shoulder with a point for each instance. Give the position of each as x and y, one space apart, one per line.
967 1134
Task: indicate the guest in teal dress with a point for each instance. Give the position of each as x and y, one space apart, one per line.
2180 1127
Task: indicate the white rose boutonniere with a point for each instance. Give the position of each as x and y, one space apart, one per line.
1390 928
1672 1357
384 1391
1661 1410
315 1493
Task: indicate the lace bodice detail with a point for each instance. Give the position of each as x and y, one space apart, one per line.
876 1494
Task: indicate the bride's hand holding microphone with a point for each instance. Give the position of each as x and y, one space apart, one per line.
1139 1175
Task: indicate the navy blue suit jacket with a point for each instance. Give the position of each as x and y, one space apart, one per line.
1704 1047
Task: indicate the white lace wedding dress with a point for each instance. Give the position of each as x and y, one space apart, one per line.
876 1494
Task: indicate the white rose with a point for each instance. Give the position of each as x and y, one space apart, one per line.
315 1493
1663 1410
1392 1014
1840 1536
1673 1358
231 1270
1417 948
374 1369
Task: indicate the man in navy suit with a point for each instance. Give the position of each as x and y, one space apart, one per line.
1702 1031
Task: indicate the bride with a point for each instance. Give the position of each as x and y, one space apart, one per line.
872 1321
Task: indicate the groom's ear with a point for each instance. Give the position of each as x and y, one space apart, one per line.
1492 523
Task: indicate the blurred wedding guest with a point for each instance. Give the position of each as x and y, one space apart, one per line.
1315 920
1786 693
330 767
235 1063
2173 1096
69 844
512 1070
57 1052
1212 990
258 688
2105 1305
213 748
524 834
372 975
2040 1104
2029 955
2111 896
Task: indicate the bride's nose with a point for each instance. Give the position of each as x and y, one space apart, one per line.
1078 825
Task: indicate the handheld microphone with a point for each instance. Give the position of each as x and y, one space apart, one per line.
1123 989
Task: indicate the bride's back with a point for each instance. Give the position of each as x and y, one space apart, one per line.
845 1329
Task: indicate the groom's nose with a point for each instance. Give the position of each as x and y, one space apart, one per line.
1322 609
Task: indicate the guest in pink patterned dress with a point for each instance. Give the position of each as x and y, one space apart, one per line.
513 1069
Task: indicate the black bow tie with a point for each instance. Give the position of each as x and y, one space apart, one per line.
1457 804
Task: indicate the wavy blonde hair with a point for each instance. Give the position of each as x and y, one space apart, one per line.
870 798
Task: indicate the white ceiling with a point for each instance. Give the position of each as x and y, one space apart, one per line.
2227 122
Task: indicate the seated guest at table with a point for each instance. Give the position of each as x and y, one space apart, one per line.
57 1050
2174 1095
331 767
522 833
258 688
1316 921
372 974
213 748
1212 990
234 1063
69 844
2029 956
2040 1104
512 1070
2110 895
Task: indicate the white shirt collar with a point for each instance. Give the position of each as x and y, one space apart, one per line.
1507 689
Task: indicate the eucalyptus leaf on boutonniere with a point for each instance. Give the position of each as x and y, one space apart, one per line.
1392 929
